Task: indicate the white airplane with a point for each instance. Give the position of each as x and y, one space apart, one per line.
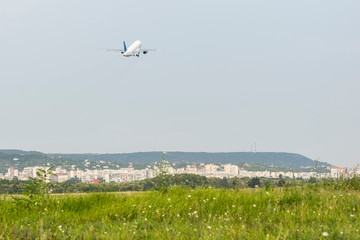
133 50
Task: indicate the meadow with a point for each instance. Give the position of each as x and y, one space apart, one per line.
309 211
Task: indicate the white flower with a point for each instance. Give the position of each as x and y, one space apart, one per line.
60 227
325 234
214 198
254 205
233 205
267 193
149 206
352 215
169 199
208 227
145 219
189 196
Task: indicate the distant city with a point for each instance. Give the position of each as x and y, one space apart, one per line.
208 170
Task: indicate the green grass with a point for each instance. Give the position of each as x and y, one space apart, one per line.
284 213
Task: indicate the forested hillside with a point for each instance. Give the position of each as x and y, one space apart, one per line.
282 160
22 159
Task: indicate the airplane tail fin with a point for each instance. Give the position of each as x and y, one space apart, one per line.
125 47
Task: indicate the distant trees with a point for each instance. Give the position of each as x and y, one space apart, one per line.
254 182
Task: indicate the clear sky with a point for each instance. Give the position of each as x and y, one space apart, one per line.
284 74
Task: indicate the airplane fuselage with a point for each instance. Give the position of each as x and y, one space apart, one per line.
134 49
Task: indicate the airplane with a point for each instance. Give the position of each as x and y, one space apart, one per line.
134 49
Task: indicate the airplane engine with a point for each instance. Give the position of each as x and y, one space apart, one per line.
145 52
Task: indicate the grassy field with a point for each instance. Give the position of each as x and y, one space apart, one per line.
308 212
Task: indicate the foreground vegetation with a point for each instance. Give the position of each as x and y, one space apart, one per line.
310 211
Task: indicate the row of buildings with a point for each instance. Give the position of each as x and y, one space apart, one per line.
207 170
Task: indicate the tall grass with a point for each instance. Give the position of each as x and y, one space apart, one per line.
315 211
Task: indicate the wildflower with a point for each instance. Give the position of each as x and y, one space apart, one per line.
325 234
189 196
341 233
352 215
149 206
267 193
36 203
233 205
208 227
60 227
105 232
254 205
169 199
214 198
145 219
195 230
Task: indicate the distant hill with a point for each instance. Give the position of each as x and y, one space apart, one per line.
21 159
282 160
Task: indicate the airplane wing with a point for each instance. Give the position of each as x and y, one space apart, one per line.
146 50
113 50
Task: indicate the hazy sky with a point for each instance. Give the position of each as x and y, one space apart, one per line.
284 74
